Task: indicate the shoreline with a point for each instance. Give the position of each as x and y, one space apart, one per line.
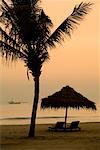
27 124
15 137
46 120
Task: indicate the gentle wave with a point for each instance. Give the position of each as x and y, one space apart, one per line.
30 118
45 117
46 120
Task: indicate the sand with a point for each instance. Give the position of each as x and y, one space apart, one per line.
14 137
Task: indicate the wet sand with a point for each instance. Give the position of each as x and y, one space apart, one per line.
14 137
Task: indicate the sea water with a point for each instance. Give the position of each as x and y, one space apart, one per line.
18 114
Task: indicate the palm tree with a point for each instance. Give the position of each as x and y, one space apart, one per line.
26 34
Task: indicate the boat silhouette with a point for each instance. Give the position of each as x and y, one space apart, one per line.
14 102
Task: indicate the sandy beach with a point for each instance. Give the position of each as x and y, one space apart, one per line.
15 138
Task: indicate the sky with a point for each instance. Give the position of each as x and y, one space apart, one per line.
74 63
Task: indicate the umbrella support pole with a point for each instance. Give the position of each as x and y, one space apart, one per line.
66 118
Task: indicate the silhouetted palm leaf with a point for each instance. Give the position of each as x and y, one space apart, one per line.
69 24
9 52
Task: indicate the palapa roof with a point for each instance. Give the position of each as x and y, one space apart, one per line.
67 97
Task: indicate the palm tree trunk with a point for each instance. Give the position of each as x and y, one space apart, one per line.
35 105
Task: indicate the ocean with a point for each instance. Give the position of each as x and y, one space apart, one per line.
19 114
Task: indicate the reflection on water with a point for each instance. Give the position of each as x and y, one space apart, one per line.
20 114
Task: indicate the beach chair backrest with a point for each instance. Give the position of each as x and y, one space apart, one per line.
59 124
74 124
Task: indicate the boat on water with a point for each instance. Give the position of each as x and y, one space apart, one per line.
14 102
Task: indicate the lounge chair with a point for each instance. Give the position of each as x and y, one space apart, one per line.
59 126
73 126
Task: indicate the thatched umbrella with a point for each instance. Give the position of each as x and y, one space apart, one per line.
65 98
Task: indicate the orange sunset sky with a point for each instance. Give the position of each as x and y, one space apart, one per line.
74 63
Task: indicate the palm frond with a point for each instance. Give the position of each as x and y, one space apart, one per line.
10 53
69 24
9 45
42 31
7 13
8 39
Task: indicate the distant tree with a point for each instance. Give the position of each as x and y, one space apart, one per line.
25 34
